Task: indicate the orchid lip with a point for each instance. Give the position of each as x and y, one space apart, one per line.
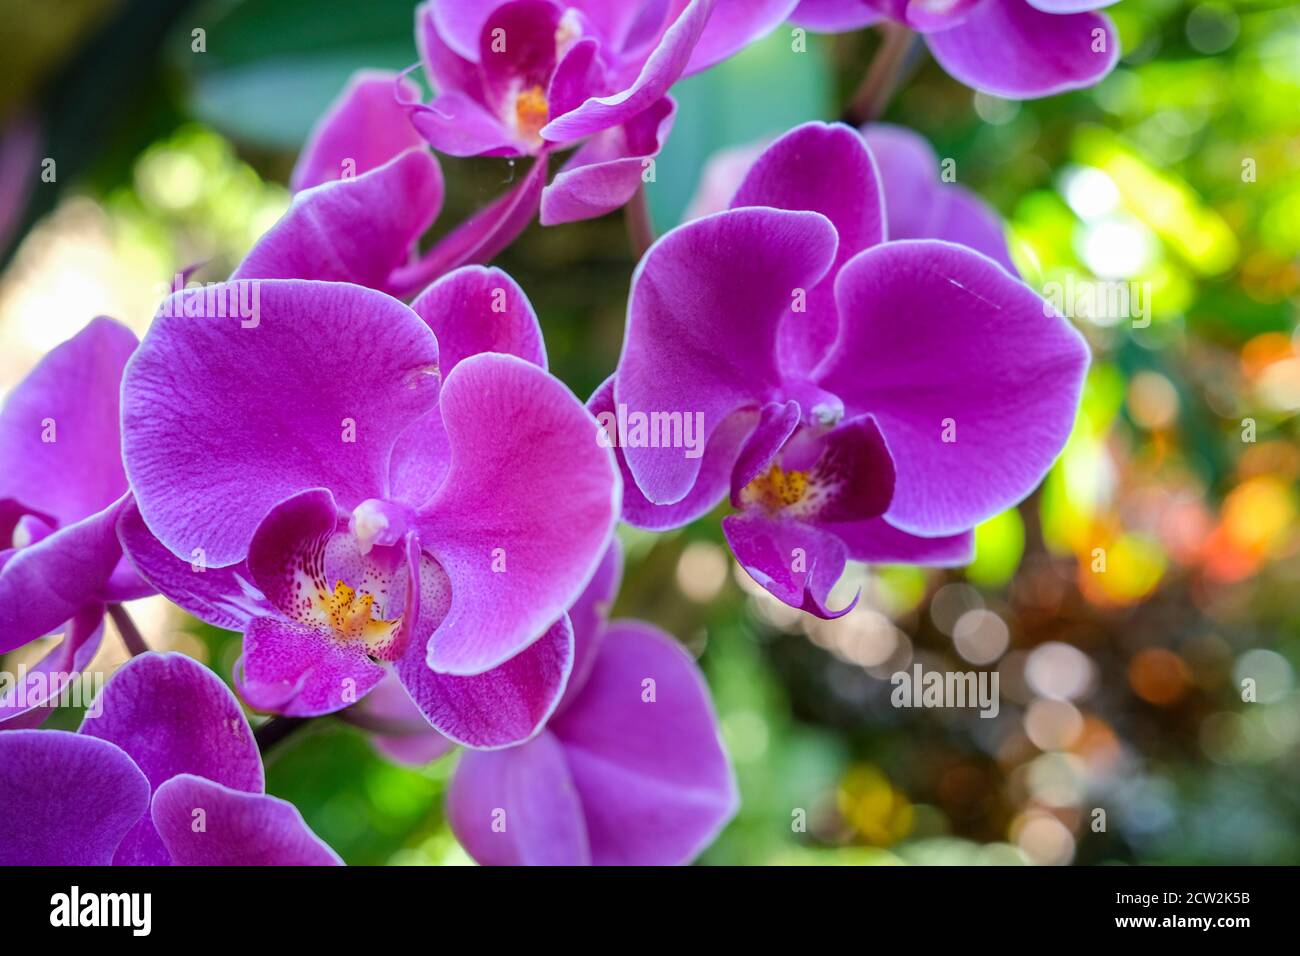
352 585
776 490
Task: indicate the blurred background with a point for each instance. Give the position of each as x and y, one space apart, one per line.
1160 690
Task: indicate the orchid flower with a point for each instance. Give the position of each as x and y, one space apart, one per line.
860 399
62 489
308 478
1019 49
529 77
918 203
166 771
366 190
628 771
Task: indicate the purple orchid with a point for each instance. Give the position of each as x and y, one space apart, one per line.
529 77
308 479
629 770
856 398
1020 49
367 188
62 489
918 203
366 191
921 205
166 772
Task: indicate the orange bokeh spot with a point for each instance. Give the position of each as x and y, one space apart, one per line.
1159 676
1263 350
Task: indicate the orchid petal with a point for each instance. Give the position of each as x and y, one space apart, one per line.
172 715
524 514
1039 53
718 286
239 828
362 130
975 393
641 742
65 799
240 416
518 807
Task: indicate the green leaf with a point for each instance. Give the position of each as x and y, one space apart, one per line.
271 67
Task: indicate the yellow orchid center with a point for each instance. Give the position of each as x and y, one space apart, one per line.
531 111
776 489
351 617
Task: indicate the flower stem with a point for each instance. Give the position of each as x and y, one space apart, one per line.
131 636
636 216
277 729
877 87
380 725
